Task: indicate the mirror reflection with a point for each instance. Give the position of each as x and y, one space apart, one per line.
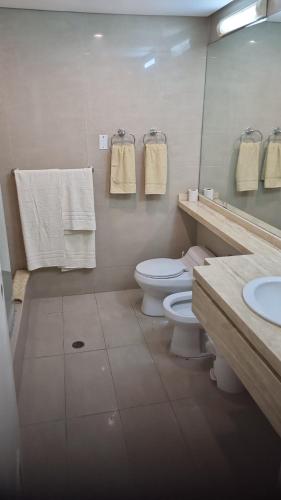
241 139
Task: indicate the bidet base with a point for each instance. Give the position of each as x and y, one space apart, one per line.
186 341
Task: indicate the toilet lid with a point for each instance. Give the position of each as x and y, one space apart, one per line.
161 268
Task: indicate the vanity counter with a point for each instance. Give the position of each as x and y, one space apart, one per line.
251 344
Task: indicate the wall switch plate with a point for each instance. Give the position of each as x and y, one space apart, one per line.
103 141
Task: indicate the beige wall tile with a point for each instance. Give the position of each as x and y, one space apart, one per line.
61 87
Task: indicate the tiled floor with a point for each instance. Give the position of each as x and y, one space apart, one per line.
122 418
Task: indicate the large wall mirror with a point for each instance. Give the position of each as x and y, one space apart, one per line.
243 90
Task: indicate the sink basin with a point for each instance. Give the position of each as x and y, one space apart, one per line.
263 296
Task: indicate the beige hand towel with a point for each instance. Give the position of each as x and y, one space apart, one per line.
123 169
247 171
272 166
155 168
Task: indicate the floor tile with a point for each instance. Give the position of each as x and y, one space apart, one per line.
43 452
156 330
97 457
181 377
135 296
205 448
42 390
136 379
229 439
81 322
202 444
49 304
45 329
89 384
159 458
119 322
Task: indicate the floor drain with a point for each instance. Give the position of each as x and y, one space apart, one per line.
78 344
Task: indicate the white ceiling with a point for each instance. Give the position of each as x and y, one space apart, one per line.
141 7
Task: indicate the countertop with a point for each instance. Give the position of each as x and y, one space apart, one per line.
224 277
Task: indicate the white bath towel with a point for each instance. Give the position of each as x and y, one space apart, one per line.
58 218
39 195
78 209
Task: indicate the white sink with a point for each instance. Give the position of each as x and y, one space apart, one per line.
263 296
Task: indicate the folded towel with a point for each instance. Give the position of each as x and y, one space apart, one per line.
39 195
19 285
78 209
79 223
155 168
79 250
123 169
272 166
247 171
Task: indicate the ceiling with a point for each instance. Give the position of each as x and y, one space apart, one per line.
141 7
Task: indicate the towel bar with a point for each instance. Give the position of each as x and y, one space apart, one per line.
154 133
250 133
275 136
14 169
121 134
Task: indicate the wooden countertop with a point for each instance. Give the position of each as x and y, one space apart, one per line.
224 277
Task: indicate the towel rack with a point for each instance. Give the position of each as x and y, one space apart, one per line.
153 135
275 135
121 137
250 134
14 169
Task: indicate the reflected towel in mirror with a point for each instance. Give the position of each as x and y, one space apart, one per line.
247 171
272 166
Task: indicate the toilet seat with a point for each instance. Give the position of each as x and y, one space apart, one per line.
178 308
161 268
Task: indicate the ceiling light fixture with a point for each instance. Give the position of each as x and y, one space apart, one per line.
98 35
251 14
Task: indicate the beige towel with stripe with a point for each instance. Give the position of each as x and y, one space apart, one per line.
123 169
155 168
272 166
247 171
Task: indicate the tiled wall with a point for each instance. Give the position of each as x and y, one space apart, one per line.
60 87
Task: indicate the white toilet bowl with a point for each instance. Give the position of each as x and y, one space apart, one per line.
188 338
161 277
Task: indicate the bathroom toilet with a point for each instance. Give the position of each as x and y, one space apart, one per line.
189 340
161 277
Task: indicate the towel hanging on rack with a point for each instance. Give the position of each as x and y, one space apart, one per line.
271 172
123 169
43 201
155 168
247 170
